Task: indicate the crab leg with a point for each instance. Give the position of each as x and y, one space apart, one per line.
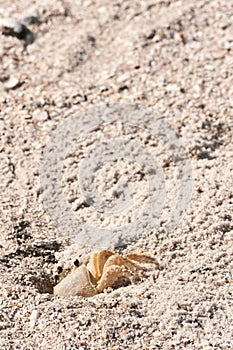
142 259
97 262
111 275
118 260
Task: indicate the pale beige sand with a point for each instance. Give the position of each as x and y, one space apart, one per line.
173 56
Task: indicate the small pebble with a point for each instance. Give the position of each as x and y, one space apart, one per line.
11 83
17 29
12 24
40 115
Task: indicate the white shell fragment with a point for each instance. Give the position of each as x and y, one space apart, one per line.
33 318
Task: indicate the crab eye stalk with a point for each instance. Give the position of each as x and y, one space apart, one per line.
59 269
56 278
76 263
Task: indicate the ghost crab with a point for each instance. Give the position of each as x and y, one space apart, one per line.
105 269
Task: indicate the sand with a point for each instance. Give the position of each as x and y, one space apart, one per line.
116 132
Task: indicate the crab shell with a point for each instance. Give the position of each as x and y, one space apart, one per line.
105 269
78 282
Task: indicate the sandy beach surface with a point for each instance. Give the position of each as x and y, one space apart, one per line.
117 117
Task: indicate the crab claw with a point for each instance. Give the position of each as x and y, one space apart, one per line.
78 282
